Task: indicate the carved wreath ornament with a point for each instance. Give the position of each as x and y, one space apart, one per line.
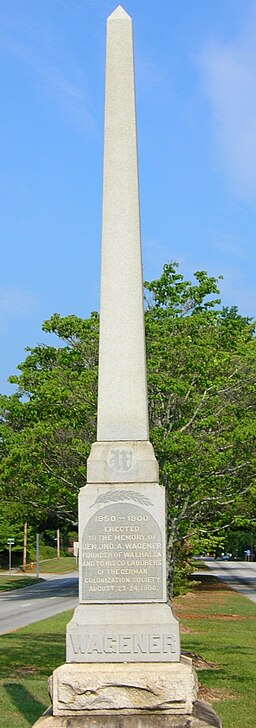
122 495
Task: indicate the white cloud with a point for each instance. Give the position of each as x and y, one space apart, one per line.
229 73
14 302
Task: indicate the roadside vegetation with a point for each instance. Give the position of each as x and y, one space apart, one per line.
218 629
16 581
201 388
63 565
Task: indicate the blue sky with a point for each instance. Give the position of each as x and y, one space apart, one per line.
196 105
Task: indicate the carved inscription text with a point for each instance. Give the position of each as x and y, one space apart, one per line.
143 643
122 555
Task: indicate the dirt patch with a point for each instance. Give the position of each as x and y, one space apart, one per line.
187 630
218 601
199 662
238 617
219 617
28 670
210 694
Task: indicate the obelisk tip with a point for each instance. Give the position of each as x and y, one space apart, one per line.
119 14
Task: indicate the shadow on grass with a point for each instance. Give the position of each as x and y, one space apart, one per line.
17 582
38 653
207 582
25 702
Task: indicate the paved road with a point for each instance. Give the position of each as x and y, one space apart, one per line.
33 603
240 575
57 594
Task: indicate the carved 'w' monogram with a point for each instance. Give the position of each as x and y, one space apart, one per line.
120 459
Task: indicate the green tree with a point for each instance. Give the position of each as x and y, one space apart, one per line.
201 378
201 382
47 426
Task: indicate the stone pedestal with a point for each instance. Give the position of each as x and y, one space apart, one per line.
123 613
127 696
138 633
137 689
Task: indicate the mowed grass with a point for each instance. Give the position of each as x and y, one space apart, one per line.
58 566
217 624
16 581
50 566
28 657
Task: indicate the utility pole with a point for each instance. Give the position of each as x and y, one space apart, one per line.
58 543
37 554
24 565
10 542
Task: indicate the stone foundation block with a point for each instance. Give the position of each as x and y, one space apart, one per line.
203 716
125 688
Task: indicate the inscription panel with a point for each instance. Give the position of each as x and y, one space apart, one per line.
143 645
122 553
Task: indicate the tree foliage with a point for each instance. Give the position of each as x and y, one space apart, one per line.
47 426
201 383
201 376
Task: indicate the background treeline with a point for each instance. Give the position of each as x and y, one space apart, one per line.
201 386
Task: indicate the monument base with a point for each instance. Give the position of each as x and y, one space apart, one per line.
107 688
203 716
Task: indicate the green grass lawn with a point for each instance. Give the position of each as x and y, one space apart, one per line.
50 566
16 581
58 566
28 656
220 625
217 624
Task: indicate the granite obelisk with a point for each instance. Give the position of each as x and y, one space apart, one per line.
123 647
122 397
122 507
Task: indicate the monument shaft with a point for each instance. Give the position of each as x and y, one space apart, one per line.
122 395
